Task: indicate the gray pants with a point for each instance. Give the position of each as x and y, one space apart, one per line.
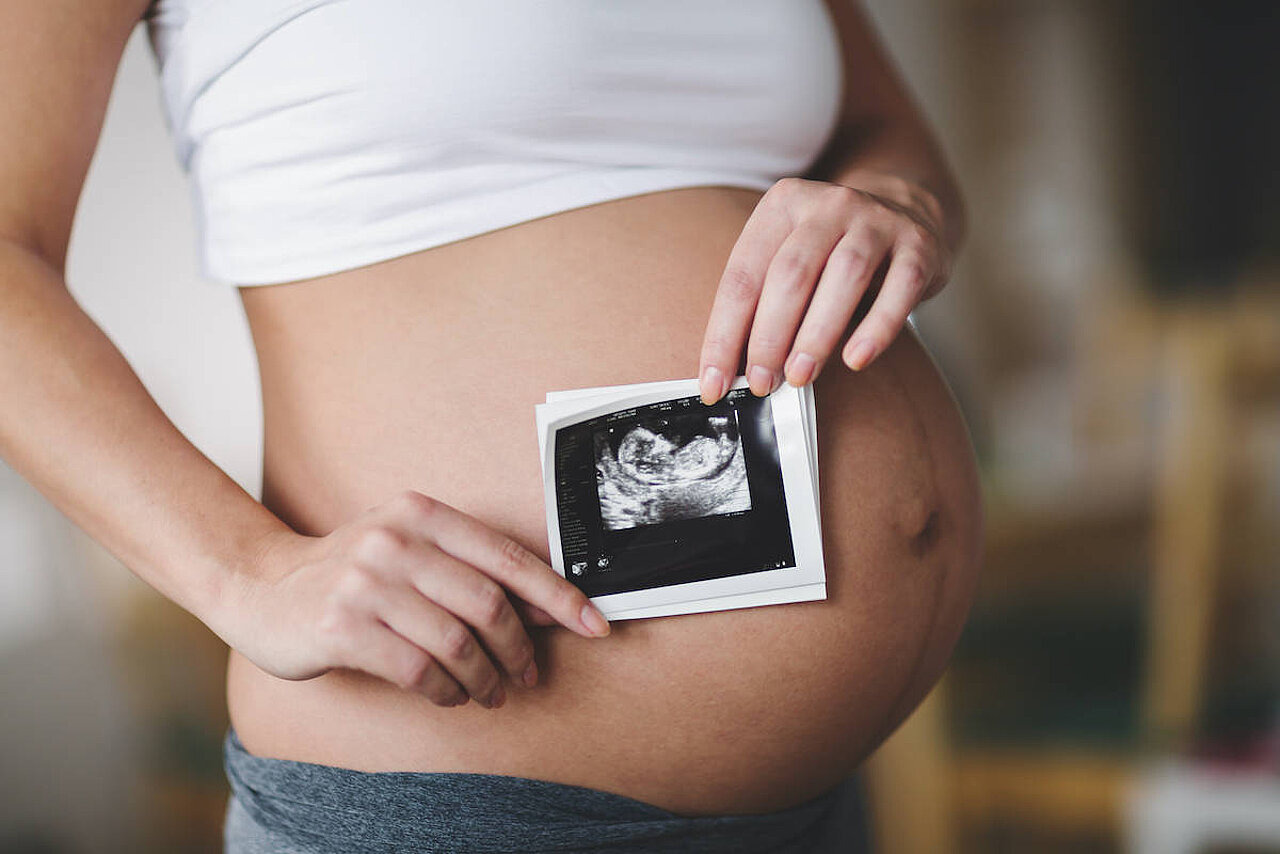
286 807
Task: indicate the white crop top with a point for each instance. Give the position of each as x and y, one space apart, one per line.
322 135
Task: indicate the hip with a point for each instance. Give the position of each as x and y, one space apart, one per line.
281 805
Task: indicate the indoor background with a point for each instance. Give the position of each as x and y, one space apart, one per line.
1112 334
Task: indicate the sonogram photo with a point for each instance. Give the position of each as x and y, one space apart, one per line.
677 467
670 492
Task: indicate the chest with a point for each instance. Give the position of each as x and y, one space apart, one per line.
612 82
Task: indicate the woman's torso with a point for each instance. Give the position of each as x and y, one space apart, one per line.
422 372
324 136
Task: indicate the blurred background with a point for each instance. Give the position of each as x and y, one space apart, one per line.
1112 334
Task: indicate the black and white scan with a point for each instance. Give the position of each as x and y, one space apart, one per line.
671 467
671 492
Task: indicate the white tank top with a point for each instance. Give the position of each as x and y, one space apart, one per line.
322 135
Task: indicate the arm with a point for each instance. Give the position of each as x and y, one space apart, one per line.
879 212
79 425
77 422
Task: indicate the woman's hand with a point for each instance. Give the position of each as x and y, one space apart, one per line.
829 242
413 591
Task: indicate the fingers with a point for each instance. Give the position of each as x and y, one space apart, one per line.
804 261
848 272
736 297
788 285
378 583
533 615
365 643
506 562
903 287
449 641
481 604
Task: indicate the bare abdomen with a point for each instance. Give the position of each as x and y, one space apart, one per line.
422 372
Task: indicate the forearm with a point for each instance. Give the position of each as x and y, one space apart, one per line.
79 425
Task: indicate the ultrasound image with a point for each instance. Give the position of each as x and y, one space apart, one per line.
671 492
677 467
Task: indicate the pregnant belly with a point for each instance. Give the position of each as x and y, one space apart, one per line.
422 372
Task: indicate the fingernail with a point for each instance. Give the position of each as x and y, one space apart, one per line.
863 352
711 385
594 620
802 365
530 677
760 379
497 698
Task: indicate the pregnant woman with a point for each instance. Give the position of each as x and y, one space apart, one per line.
435 213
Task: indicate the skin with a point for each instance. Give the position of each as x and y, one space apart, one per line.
398 568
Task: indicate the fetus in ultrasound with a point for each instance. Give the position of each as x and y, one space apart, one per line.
680 467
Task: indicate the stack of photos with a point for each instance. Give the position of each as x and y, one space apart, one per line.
658 504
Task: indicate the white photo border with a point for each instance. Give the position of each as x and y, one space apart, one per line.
794 424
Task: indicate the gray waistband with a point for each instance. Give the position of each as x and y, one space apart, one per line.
306 807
